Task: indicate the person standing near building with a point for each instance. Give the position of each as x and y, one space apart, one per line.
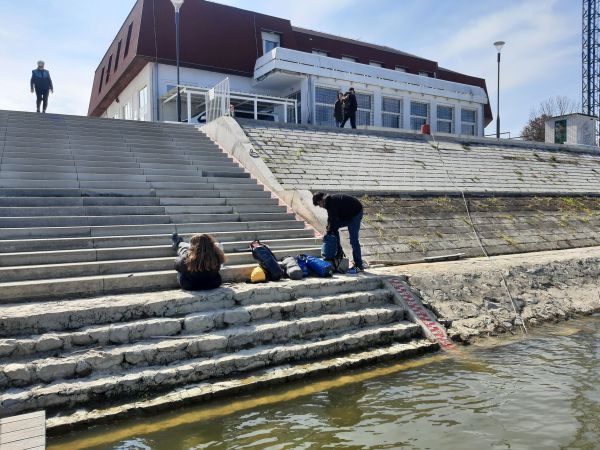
41 83
343 211
350 107
338 109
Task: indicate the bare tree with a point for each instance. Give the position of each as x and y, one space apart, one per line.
560 105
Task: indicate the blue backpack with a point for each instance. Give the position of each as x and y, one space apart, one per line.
317 266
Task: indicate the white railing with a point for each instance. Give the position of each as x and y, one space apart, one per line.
288 60
217 101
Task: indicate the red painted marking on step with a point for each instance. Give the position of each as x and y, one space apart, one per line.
419 311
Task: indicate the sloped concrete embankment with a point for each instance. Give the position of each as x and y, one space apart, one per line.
470 298
522 196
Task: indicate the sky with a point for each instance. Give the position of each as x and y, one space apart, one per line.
541 59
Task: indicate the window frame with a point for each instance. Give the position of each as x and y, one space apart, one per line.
464 123
319 52
118 55
399 115
451 121
375 63
272 37
413 116
318 104
349 58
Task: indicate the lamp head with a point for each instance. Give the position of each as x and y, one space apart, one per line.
499 45
177 4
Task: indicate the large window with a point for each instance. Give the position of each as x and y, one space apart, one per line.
375 64
560 131
108 70
143 100
364 115
468 119
445 119
128 40
127 111
118 56
320 53
349 58
419 115
270 41
324 105
100 82
391 112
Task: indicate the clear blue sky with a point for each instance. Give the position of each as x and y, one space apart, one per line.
542 57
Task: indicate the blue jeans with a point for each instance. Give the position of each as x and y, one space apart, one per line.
353 229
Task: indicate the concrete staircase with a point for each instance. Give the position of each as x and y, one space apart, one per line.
87 205
60 356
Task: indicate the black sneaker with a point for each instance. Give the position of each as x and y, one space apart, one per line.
355 270
176 240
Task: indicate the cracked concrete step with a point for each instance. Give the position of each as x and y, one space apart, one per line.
156 379
164 250
86 267
118 358
32 290
128 230
230 240
42 317
138 330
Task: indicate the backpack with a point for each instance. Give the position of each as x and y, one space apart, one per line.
332 251
302 264
265 258
317 266
291 268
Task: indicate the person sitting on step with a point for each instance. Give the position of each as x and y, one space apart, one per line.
198 263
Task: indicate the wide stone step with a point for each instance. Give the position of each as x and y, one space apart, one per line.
14 350
101 389
40 317
128 230
117 358
63 256
87 267
232 241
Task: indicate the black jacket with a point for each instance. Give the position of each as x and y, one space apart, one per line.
338 112
350 104
196 281
341 208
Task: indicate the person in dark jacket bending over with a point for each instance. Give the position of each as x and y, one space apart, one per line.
198 263
343 211
338 109
350 107
41 83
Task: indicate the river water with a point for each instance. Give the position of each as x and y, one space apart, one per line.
536 392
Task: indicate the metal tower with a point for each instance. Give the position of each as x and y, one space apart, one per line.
590 53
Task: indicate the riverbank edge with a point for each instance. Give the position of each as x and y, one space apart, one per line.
477 298
239 385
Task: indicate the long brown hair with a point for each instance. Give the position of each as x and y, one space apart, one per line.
204 255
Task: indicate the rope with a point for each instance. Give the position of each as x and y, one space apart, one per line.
472 224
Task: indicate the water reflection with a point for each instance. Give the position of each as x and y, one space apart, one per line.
542 392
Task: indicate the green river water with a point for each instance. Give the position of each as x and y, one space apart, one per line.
541 391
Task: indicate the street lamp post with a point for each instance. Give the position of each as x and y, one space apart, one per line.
498 45
177 5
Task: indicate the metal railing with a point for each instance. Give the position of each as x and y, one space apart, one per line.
217 101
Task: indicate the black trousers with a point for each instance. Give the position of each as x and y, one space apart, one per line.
41 97
349 115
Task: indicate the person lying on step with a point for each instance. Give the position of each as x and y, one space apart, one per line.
198 263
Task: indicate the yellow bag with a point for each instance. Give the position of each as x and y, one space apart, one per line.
258 275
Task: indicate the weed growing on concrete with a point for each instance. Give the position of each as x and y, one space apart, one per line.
466 147
438 234
378 217
507 217
418 161
508 239
416 245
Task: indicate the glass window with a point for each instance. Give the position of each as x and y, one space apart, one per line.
270 41
349 58
400 69
127 111
128 39
324 105
118 55
424 74
364 114
108 71
445 119
143 99
468 119
375 63
419 115
391 112
320 52
100 81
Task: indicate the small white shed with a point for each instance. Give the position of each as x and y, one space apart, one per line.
573 128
